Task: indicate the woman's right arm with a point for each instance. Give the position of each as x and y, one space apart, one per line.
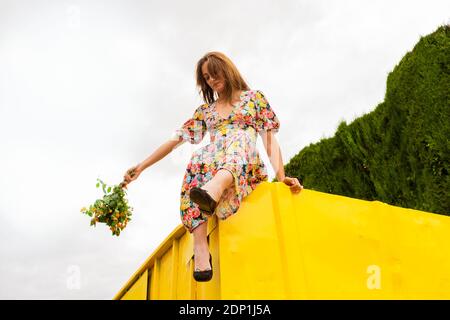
162 151
159 153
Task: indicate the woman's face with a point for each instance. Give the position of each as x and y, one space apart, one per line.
216 84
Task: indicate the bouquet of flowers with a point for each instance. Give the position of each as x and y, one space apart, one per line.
113 209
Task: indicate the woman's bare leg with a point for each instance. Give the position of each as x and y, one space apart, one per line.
217 185
201 250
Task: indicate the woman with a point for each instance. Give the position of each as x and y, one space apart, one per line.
222 173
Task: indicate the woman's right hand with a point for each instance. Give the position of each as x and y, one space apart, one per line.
131 175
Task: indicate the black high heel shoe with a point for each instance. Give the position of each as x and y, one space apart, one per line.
205 275
205 202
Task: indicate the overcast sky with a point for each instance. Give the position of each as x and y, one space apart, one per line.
90 88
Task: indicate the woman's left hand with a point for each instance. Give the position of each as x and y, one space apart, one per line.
294 184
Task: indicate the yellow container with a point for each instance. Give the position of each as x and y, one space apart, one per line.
311 245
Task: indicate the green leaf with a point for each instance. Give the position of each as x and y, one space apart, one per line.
109 189
97 185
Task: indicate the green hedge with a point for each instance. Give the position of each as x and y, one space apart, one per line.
398 153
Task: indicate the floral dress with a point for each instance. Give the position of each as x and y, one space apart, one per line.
232 147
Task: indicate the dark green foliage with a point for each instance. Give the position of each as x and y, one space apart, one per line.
398 153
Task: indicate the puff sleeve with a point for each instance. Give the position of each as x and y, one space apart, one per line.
194 129
266 119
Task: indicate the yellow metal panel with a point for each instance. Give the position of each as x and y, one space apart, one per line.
139 289
155 280
165 276
288 226
311 245
183 284
356 249
250 261
175 264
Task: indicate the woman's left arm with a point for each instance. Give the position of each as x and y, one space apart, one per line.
274 153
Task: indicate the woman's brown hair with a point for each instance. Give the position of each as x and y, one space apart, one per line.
219 65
